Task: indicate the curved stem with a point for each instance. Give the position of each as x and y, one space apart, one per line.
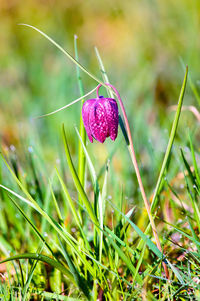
134 161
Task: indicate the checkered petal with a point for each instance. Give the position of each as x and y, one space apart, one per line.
101 118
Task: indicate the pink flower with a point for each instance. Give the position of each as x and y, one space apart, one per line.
100 118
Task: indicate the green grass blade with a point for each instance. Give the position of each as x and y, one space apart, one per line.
194 235
121 242
192 196
143 236
44 259
104 190
73 209
59 229
55 225
28 281
103 72
139 262
32 226
125 259
81 155
46 206
111 94
65 52
107 269
192 85
187 166
81 282
197 242
68 55
194 90
70 201
170 143
76 180
115 237
56 206
194 160
54 296
176 272
67 106
20 197
90 164
97 193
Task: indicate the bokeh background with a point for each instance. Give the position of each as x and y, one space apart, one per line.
143 44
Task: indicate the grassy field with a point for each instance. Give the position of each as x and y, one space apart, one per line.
75 223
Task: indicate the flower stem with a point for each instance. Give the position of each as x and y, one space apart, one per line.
134 161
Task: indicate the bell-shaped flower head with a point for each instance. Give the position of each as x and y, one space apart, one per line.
100 118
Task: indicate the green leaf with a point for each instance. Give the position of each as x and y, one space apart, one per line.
143 236
81 156
44 259
32 225
76 180
184 233
54 296
81 282
125 259
70 201
192 196
98 196
70 240
194 160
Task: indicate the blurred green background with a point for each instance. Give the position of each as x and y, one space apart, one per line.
141 44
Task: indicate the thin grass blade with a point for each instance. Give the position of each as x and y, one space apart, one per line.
76 180
125 259
82 132
194 160
64 51
97 192
70 240
68 105
170 143
44 259
69 199
32 226
81 282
